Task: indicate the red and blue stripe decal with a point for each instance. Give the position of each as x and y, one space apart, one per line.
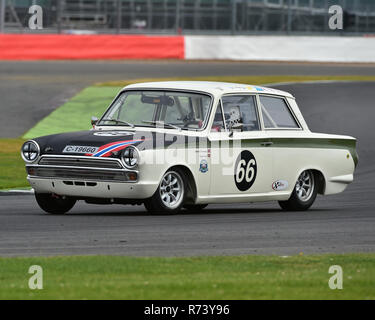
108 149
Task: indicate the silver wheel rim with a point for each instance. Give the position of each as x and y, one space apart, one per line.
171 189
305 186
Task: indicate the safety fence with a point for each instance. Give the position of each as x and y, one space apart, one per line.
191 16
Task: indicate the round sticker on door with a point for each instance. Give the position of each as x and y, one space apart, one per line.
245 170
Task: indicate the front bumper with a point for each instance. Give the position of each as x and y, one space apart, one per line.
93 189
87 177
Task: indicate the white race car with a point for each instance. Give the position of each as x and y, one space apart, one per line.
173 145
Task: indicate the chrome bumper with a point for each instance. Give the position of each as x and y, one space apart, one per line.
81 168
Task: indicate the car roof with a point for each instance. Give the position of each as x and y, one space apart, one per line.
215 88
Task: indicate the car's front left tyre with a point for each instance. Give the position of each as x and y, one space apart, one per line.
170 195
54 204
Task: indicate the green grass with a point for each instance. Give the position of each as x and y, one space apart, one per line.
241 277
12 167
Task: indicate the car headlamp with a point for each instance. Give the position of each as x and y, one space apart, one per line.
30 151
130 157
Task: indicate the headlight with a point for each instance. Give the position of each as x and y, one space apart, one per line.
30 151
130 157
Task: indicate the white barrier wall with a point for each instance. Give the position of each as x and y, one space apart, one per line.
281 48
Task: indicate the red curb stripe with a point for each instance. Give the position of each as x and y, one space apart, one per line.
59 47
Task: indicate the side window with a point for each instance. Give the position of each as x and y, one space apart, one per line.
218 124
241 109
189 109
276 113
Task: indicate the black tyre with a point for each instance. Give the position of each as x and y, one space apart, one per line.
195 207
170 195
54 204
304 193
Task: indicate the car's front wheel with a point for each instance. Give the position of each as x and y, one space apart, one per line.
170 195
54 204
304 193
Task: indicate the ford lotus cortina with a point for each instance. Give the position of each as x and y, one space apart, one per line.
174 145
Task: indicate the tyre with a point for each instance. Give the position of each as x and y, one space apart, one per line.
54 204
195 207
304 193
170 195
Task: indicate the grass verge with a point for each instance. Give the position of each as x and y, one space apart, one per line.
241 277
12 167
255 80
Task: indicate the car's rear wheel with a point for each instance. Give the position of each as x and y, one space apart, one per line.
195 207
54 204
170 195
304 193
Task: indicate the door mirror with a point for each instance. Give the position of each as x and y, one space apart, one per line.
94 120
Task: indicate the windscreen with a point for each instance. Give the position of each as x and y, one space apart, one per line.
172 109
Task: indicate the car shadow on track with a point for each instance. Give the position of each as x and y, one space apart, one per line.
205 212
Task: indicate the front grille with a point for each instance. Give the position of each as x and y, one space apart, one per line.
80 162
78 173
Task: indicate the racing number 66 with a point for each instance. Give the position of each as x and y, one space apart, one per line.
245 170
248 174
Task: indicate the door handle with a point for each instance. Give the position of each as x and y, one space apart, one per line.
266 143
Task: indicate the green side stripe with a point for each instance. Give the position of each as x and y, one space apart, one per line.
318 143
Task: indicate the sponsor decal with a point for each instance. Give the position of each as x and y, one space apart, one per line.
280 185
254 88
245 170
108 149
80 149
258 88
203 167
112 133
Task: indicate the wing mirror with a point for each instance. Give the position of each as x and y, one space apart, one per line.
94 120
236 126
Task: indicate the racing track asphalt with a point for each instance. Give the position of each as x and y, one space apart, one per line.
339 223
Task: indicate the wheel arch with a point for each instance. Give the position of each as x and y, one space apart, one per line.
320 179
191 195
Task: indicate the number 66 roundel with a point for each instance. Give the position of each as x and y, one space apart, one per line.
245 170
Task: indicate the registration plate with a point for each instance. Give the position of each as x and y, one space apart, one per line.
80 149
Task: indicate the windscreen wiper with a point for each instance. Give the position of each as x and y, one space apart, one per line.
162 124
118 121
